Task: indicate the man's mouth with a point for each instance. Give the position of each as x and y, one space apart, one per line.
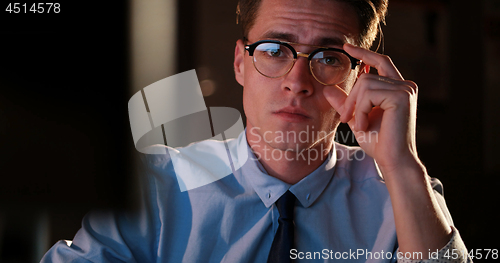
292 114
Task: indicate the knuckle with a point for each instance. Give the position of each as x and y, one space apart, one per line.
411 87
406 88
412 84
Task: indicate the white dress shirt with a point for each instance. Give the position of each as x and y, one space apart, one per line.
343 212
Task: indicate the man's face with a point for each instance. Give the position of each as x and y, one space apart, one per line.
278 109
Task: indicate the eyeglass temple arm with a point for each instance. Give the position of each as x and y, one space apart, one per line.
355 62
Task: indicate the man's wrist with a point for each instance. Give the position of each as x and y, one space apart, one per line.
405 170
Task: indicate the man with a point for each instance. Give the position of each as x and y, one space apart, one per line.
304 68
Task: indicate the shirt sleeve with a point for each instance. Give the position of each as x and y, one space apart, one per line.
108 237
453 252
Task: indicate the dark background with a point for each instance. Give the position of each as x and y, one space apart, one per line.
65 140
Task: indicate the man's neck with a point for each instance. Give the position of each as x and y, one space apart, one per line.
287 165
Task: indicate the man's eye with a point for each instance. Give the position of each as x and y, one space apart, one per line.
330 61
274 53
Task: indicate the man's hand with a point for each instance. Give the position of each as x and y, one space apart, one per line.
380 109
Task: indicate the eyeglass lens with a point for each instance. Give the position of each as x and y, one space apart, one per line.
275 60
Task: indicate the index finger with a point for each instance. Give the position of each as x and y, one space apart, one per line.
336 97
382 63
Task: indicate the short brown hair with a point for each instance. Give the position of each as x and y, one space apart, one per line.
370 14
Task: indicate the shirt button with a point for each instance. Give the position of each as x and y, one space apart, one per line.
269 195
307 196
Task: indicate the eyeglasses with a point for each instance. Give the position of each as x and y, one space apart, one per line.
273 59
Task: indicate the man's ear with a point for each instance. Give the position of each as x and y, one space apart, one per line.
239 62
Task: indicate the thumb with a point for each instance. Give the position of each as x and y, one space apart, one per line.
336 97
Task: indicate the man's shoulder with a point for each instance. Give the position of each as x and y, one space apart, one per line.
197 164
160 155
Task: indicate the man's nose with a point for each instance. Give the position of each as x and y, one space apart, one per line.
299 79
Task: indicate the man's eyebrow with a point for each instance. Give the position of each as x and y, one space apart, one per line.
324 42
280 36
331 41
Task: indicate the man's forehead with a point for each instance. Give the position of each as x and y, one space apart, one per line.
315 22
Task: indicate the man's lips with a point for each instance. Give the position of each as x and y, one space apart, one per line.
293 114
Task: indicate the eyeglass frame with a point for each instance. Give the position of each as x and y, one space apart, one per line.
251 48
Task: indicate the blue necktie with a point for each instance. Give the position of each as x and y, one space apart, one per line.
283 240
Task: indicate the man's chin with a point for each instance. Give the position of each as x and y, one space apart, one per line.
291 147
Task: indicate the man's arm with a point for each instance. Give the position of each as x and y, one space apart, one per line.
116 236
107 237
382 108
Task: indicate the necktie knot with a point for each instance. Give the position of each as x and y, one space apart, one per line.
285 206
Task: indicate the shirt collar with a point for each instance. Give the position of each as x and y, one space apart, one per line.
310 187
270 189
